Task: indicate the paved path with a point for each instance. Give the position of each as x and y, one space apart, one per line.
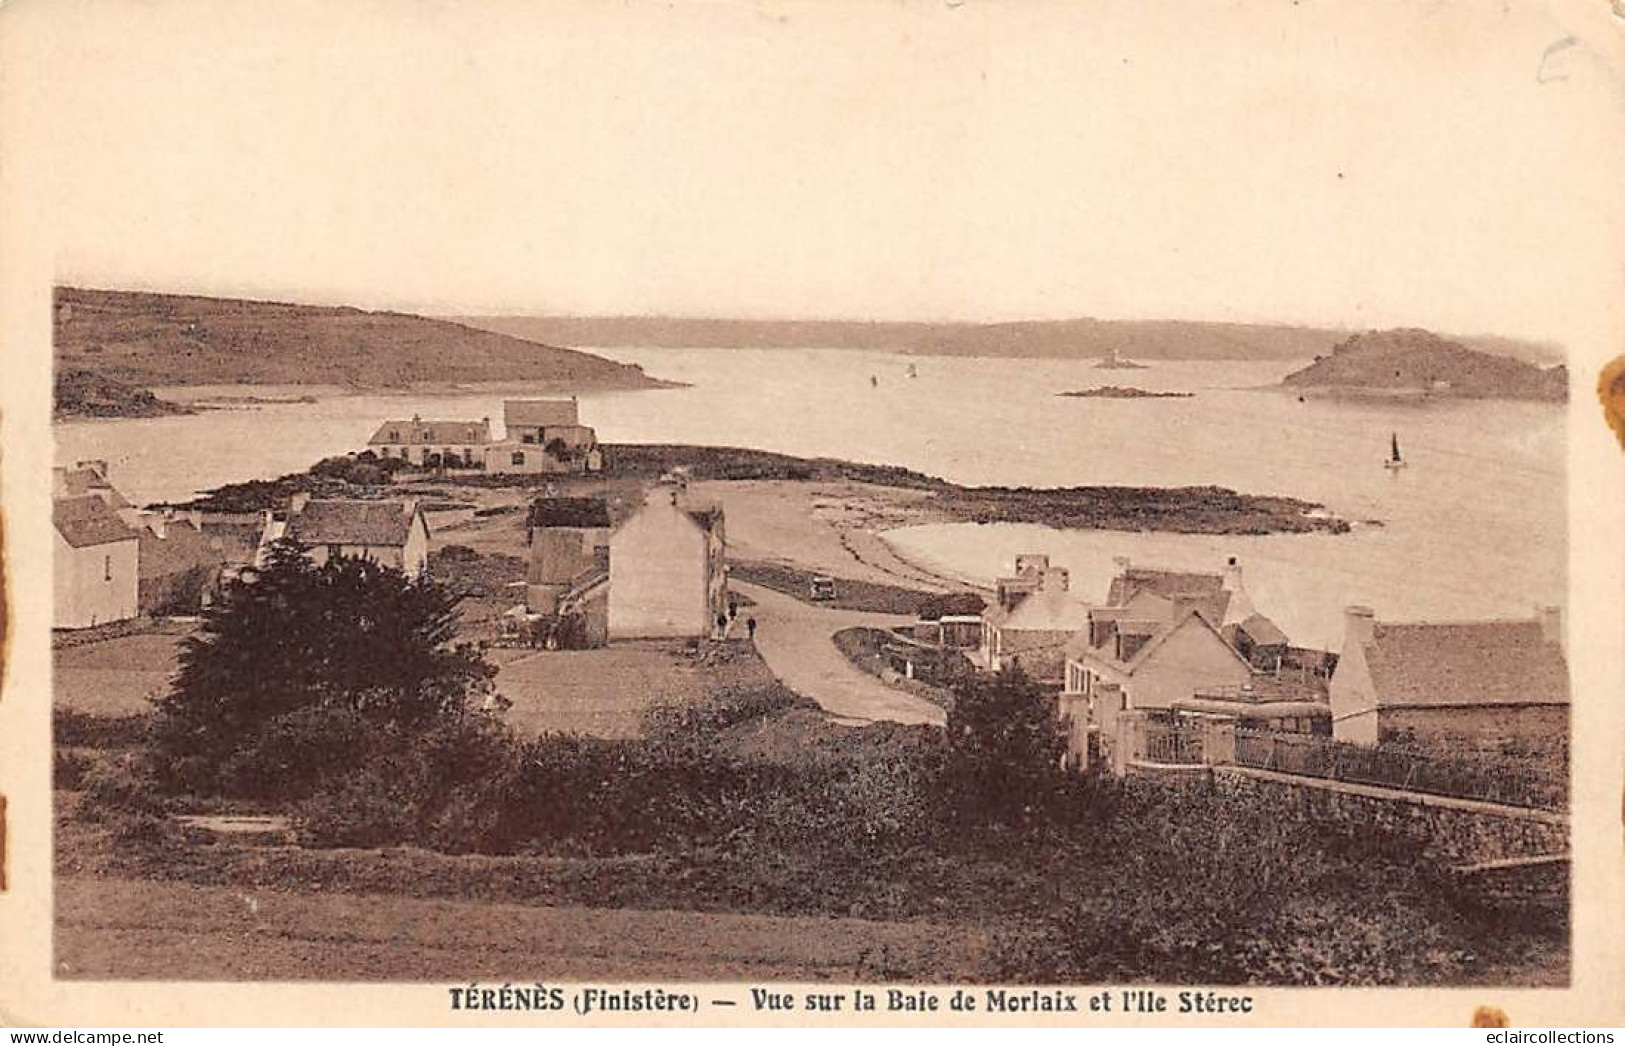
794 639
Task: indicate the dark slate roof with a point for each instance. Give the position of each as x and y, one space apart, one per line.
88 520
419 431
579 513
1466 663
183 547
335 522
1262 631
80 481
707 517
1165 583
547 413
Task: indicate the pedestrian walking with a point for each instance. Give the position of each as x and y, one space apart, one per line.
750 626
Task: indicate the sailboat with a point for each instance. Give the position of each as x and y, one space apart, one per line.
1394 460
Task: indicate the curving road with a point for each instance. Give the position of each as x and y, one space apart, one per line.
794 639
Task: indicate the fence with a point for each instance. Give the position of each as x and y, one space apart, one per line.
1173 745
1497 780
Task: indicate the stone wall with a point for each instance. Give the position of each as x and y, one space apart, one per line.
1456 831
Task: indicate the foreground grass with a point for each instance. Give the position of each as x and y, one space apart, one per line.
125 928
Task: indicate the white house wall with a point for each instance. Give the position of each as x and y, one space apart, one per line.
1190 659
658 576
84 593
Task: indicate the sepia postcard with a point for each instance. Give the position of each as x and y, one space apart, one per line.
829 513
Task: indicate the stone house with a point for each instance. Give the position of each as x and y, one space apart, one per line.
180 566
1035 614
668 572
1451 683
456 444
1154 664
391 533
95 563
567 581
543 436
1150 595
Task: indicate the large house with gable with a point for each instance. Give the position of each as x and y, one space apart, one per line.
95 568
544 436
453 444
391 533
1451 682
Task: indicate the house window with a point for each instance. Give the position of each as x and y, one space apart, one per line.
107 568
334 551
528 437
394 435
518 457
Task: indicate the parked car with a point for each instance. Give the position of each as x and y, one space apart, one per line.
822 588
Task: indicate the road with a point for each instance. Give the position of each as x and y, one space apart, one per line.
794 639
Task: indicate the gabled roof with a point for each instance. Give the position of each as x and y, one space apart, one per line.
539 412
183 547
1045 610
1466 663
1262 631
338 522
87 520
580 513
707 516
1160 634
416 430
1165 583
76 482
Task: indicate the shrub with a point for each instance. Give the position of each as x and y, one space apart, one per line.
348 636
1004 748
68 770
369 807
124 785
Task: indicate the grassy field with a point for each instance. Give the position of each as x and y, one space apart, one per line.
598 692
114 677
122 928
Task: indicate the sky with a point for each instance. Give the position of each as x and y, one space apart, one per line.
1452 165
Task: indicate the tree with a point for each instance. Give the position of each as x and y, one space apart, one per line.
348 637
1005 743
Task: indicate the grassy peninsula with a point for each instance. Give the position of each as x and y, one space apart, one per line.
126 343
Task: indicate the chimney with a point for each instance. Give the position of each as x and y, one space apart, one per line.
195 516
1232 573
1551 624
158 524
1055 579
416 418
298 501
1031 564
1359 623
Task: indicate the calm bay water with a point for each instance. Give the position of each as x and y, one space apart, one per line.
1474 526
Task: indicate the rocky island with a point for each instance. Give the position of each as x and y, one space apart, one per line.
1120 392
1418 364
